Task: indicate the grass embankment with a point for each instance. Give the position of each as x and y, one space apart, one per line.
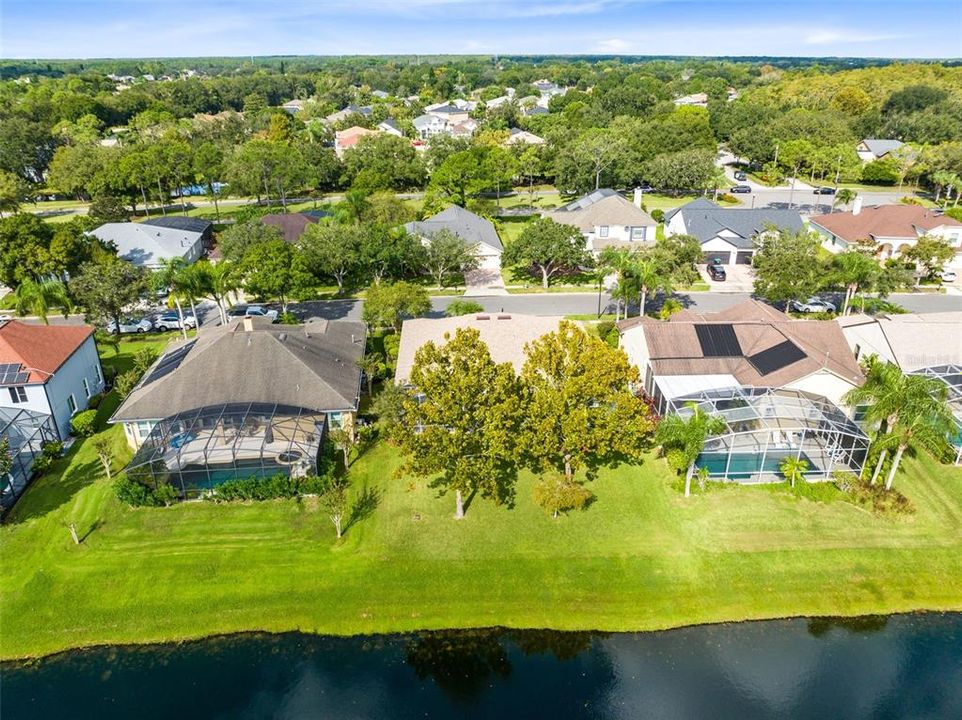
641 557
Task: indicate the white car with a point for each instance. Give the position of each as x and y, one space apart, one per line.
171 321
813 305
131 325
252 311
947 276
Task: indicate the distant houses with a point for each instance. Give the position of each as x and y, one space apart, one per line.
291 225
344 140
517 136
728 234
871 149
606 219
477 232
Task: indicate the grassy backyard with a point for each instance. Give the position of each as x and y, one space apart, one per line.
641 557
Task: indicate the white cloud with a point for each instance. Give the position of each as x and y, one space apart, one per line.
830 37
612 45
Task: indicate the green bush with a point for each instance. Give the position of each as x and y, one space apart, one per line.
873 497
658 215
288 318
880 172
392 344
94 402
463 307
84 424
40 464
727 197
135 494
268 488
605 327
126 382
954 212
53 449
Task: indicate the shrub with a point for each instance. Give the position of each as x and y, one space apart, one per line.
143 359
288 318
557 495
463 307
909 200
954 212
84 424
658 215
126 382
40 464
94 402
392 344
134 493
165 494
880 172
53 449
605 327
873 497
727 198
268 488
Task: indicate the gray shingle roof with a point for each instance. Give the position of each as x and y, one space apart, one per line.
601 207
313 366
471 228
879 147
705 220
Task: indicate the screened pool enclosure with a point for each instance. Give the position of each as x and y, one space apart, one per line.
26 432
766 425
197 450
951 375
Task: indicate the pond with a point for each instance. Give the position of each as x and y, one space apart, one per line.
907 666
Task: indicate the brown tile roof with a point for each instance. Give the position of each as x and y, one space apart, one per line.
883 221
41 349
674 348
291 225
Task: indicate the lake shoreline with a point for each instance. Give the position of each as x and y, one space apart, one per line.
29 660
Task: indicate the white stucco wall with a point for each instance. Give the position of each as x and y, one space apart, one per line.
826 384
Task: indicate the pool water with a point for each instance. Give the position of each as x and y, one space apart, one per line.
215 476
745 465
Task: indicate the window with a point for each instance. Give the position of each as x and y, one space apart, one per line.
72 404
18 394
637 233
97 374
603 231
86 388
144 428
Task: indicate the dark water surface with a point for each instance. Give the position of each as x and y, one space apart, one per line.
906 666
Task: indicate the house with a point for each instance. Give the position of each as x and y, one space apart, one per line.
390 126
340 115
49 369
893 229
929 344
606 219
188 224
291 225
427 126
380 94
750 344
344 140
728 234
913 342
533 110
694 100
871 149
505 334
449 112
517 136
464 129
249 399
476 231
148 244
293 106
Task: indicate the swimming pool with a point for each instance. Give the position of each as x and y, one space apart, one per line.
744 466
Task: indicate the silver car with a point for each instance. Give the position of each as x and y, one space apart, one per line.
813 305
171 321
131 325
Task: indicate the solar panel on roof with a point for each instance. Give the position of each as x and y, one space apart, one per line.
13 374
9 367
776 357
169 362
718 341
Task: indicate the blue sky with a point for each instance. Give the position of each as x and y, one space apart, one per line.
140 28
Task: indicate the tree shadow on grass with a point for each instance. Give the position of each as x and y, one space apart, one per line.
363 506
54 488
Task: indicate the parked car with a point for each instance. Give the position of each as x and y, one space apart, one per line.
813 305
131 325
171 321
240 311
824 190
717 272
741 189
741 175
947 276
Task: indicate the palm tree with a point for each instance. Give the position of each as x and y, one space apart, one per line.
353 207
620 262
39 298
166 278
793 468
844 197
684 438
855 270
218 282
909 409
190 282
650 279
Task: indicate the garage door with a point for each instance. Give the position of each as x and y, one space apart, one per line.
711 257
489 262
744 257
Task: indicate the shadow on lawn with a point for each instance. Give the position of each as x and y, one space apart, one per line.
54 488
363 507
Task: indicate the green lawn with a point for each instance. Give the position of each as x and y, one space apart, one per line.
641 557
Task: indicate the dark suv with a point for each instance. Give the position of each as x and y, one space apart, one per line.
717 272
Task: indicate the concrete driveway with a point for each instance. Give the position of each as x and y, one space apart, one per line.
484 282
741 279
